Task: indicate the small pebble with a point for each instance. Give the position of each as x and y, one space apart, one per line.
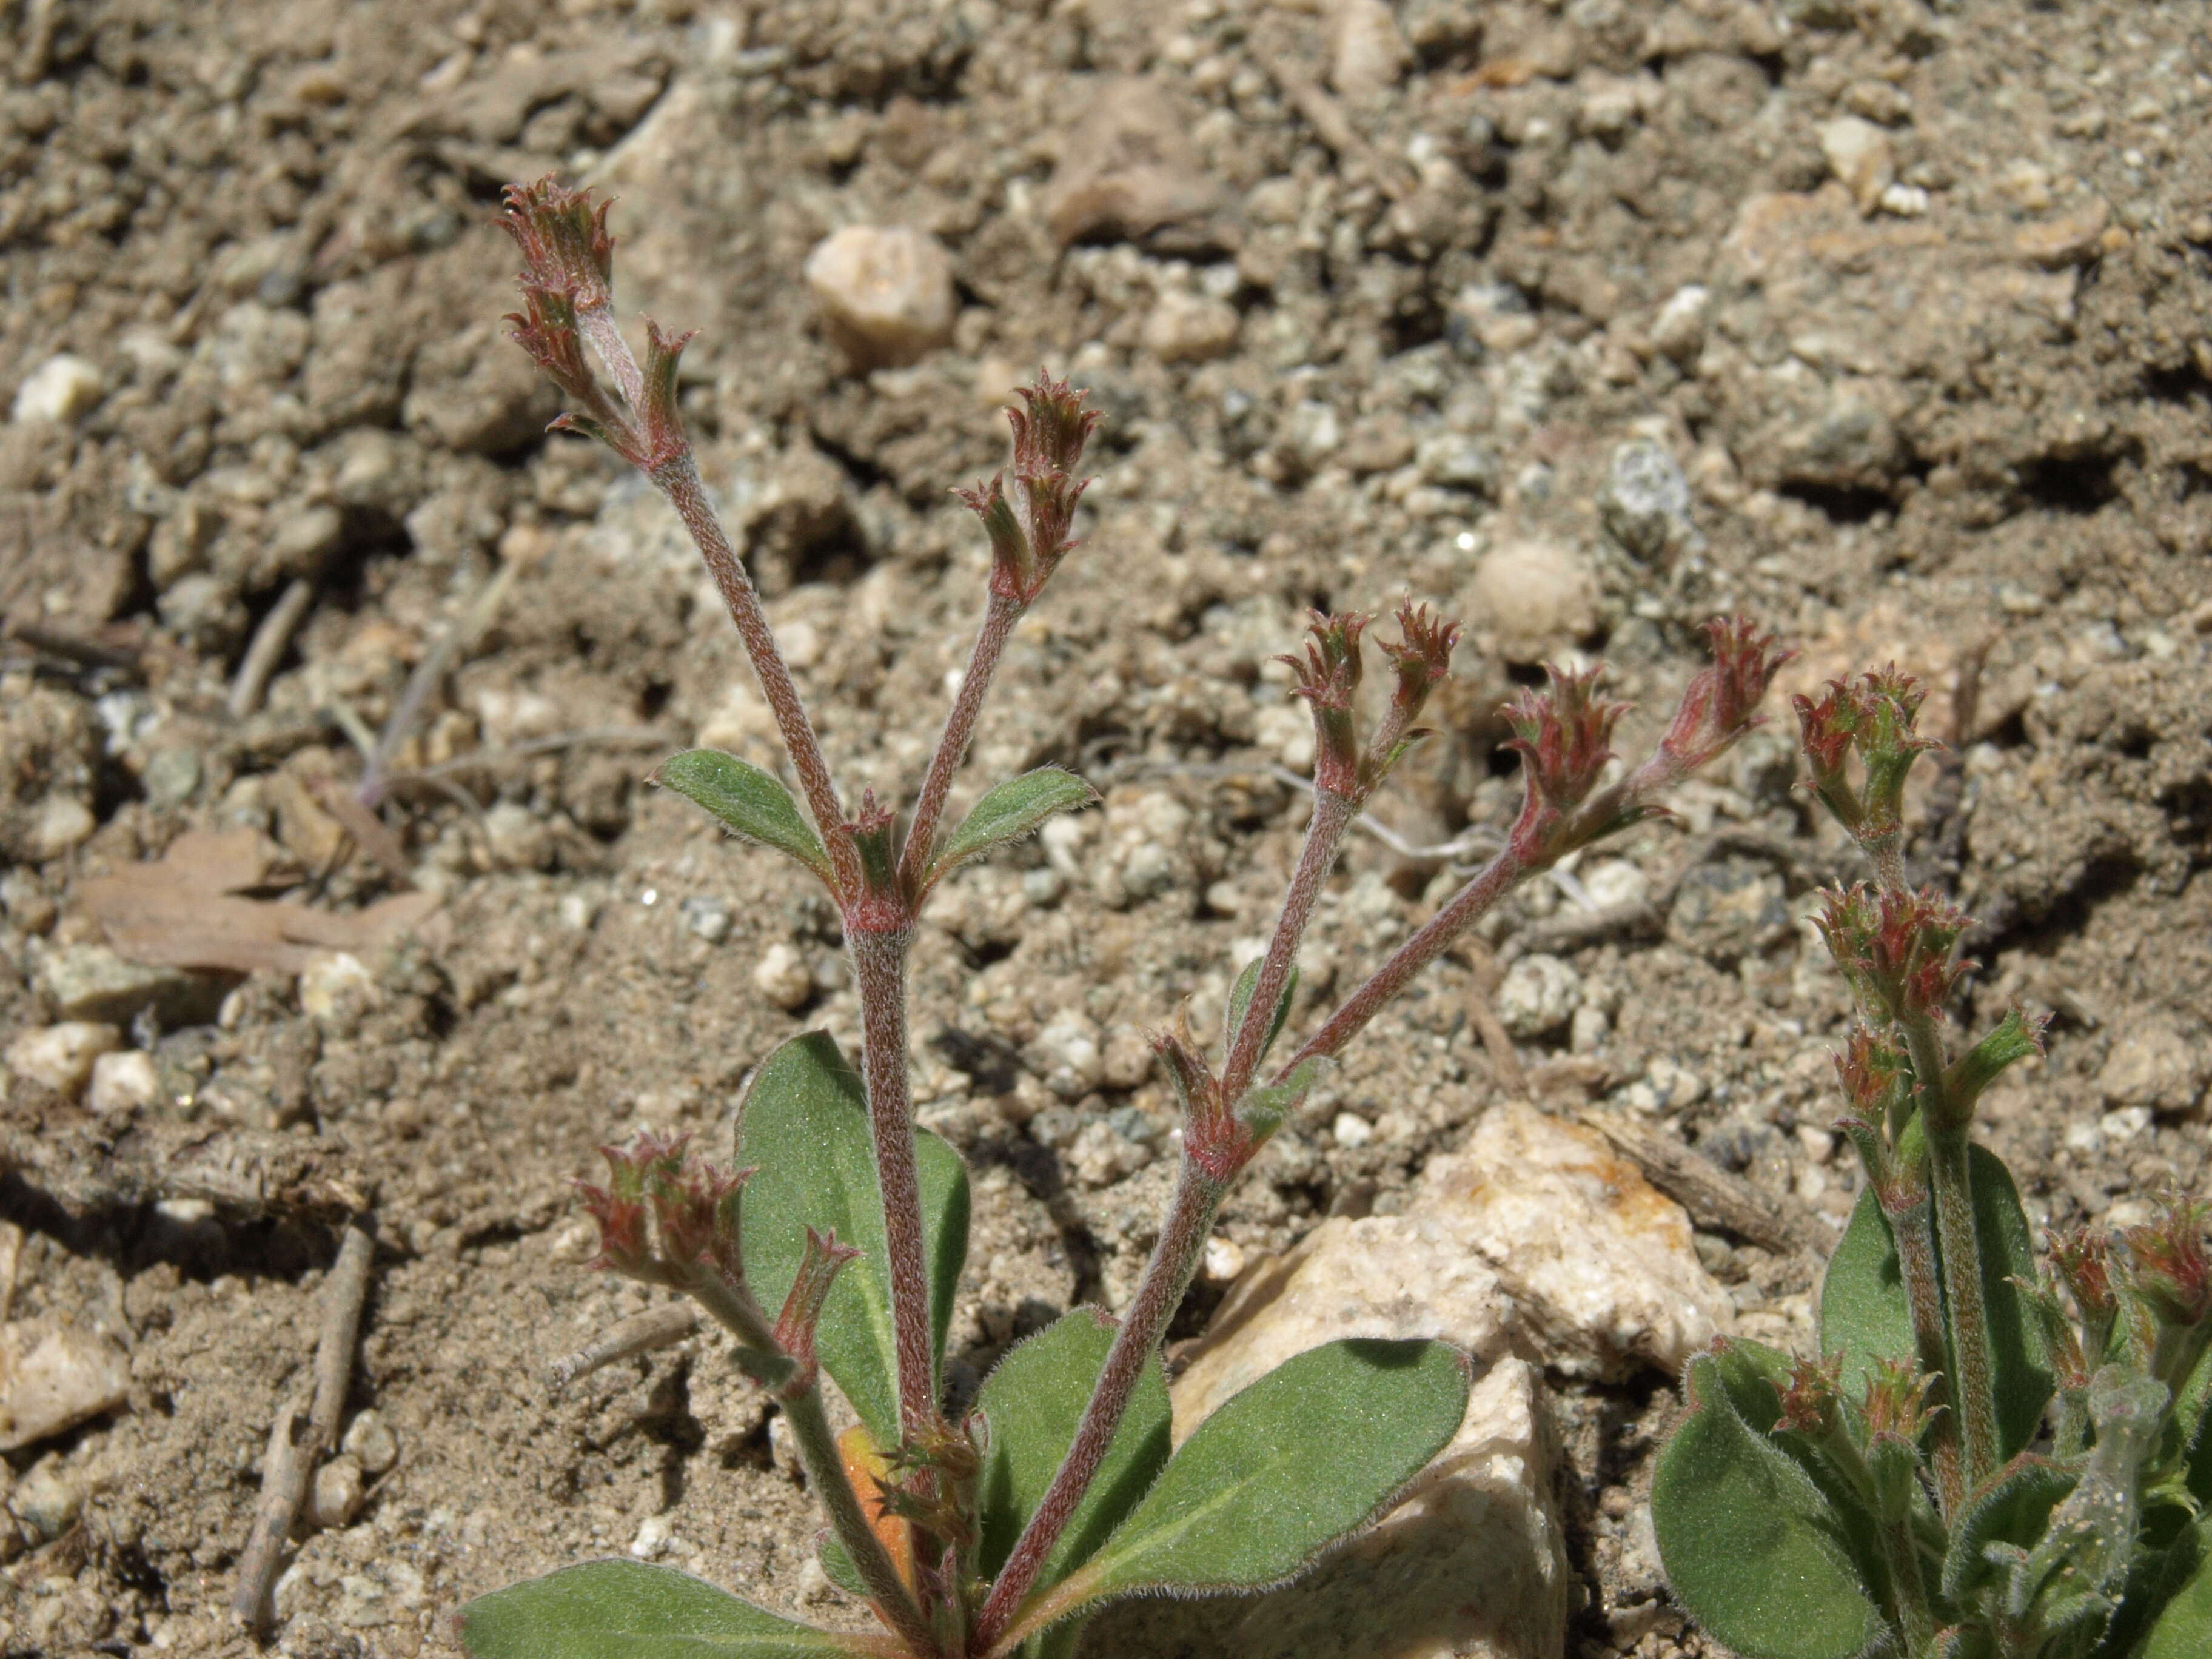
1861 156
336 989
53 1376
885 292
1533 598
1646 501
1452 461
370 1443
1190 328
1351 1130
46 1500
1679 330
707 917
1538 995
57 391
60 1057
337 1495
62 823
783 977
124 1083
1074 1063
1225 1260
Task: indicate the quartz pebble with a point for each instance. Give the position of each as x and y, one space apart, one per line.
46 1500
782 977
370 1443
124 1083
1860 155
885 292
1540 994
60 1057
1190 328
336 1496
57 391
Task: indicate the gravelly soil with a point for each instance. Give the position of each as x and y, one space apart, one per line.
1455 328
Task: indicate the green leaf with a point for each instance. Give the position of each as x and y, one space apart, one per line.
1311 1452
1016 808
1240 998
628 1610
753 803
1033 1400
804 1125
1751 1546
2013 1509
1866 1317
2182 1626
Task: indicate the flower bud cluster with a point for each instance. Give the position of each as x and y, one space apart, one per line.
1895 948
1874 717
1030 526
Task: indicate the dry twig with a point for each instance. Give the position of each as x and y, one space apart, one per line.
294 1446
1714 1198
659 1327
270 642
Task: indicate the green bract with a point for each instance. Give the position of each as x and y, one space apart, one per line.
751 802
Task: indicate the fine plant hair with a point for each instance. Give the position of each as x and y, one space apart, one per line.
1992 1456
833 1242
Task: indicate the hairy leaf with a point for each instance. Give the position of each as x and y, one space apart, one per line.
2013 1509
1751 1546
1866 1317
1240 998
804 1125
1016 809
629 1610
2182 1625
753 803
1311 1452
1033 1400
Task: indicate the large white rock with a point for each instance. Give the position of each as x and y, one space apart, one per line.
60 1056
1600 1262
1472 1564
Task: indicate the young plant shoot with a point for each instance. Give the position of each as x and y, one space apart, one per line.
1991 1457
831 1245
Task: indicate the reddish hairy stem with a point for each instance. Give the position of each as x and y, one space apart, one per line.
1915 1236
999 616
879 966
1468 906
1167 1276
1332 817
679 482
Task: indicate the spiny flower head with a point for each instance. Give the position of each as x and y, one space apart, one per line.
1721 703
564 237
1565 738
1895 947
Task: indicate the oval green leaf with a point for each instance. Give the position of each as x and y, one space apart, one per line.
1750 1546
631 1610
752 803
1016 809
1310 1453
1033 1400
2182 1629
804 1126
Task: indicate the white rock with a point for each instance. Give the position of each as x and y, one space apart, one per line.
336 989
885 292
518 838
1366 53
1532 599
124 1083
61 824
707 916
782 977
53 1376
1225 1260
1861 156
1127 1059
336 1498
1600 1262
58 390
1073 1057
1587 1030
1616 881
1539 994
1679 330
1473 1563
47 1500
2153 1064
1350 1129
370 1443
60 1057
1101 1155
1190 328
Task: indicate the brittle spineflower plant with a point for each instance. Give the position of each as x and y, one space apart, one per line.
1992 1458
998 1532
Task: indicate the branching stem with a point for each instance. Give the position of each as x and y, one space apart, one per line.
1333 815
1167 1275
1962 1285
1000 616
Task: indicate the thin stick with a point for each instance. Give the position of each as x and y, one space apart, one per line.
295 1446
424 680
1497 1041
661 1327
270 640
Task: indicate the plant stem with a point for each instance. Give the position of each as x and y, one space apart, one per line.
1467 907
1914 1233
679 482
737 1312
1332 816
1962 1285
1904 1563
999 616
1167 1275
879 967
